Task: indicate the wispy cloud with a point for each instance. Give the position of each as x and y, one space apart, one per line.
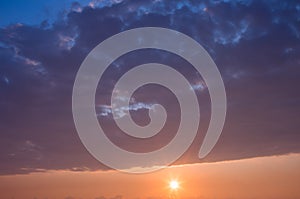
106 110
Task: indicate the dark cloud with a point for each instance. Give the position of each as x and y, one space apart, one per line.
255 44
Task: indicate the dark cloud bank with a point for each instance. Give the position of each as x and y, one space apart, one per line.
255 44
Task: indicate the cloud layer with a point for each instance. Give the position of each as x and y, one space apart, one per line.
255 44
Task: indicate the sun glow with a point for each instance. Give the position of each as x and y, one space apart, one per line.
174 185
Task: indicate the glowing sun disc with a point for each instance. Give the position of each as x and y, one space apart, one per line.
174 185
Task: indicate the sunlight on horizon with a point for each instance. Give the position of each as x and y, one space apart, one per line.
239 178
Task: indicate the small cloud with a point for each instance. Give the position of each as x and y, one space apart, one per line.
237 74
30 146
67 42
6 80
288 50
35 65
121 97
103 3
31 62
106 110
237 32
76 7
29 149
198 86
80 169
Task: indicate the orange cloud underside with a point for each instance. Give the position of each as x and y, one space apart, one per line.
259 178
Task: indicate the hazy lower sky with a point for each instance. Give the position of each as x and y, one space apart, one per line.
260 178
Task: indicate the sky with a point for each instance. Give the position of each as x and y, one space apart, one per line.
260 178
34 12
255 44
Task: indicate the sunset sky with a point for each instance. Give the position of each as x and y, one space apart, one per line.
255 45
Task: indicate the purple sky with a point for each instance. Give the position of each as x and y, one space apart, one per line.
255 44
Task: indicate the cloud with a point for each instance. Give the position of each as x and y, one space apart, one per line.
255 45
67 42
198 86
105 110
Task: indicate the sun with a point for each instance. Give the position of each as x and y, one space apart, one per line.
174 185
